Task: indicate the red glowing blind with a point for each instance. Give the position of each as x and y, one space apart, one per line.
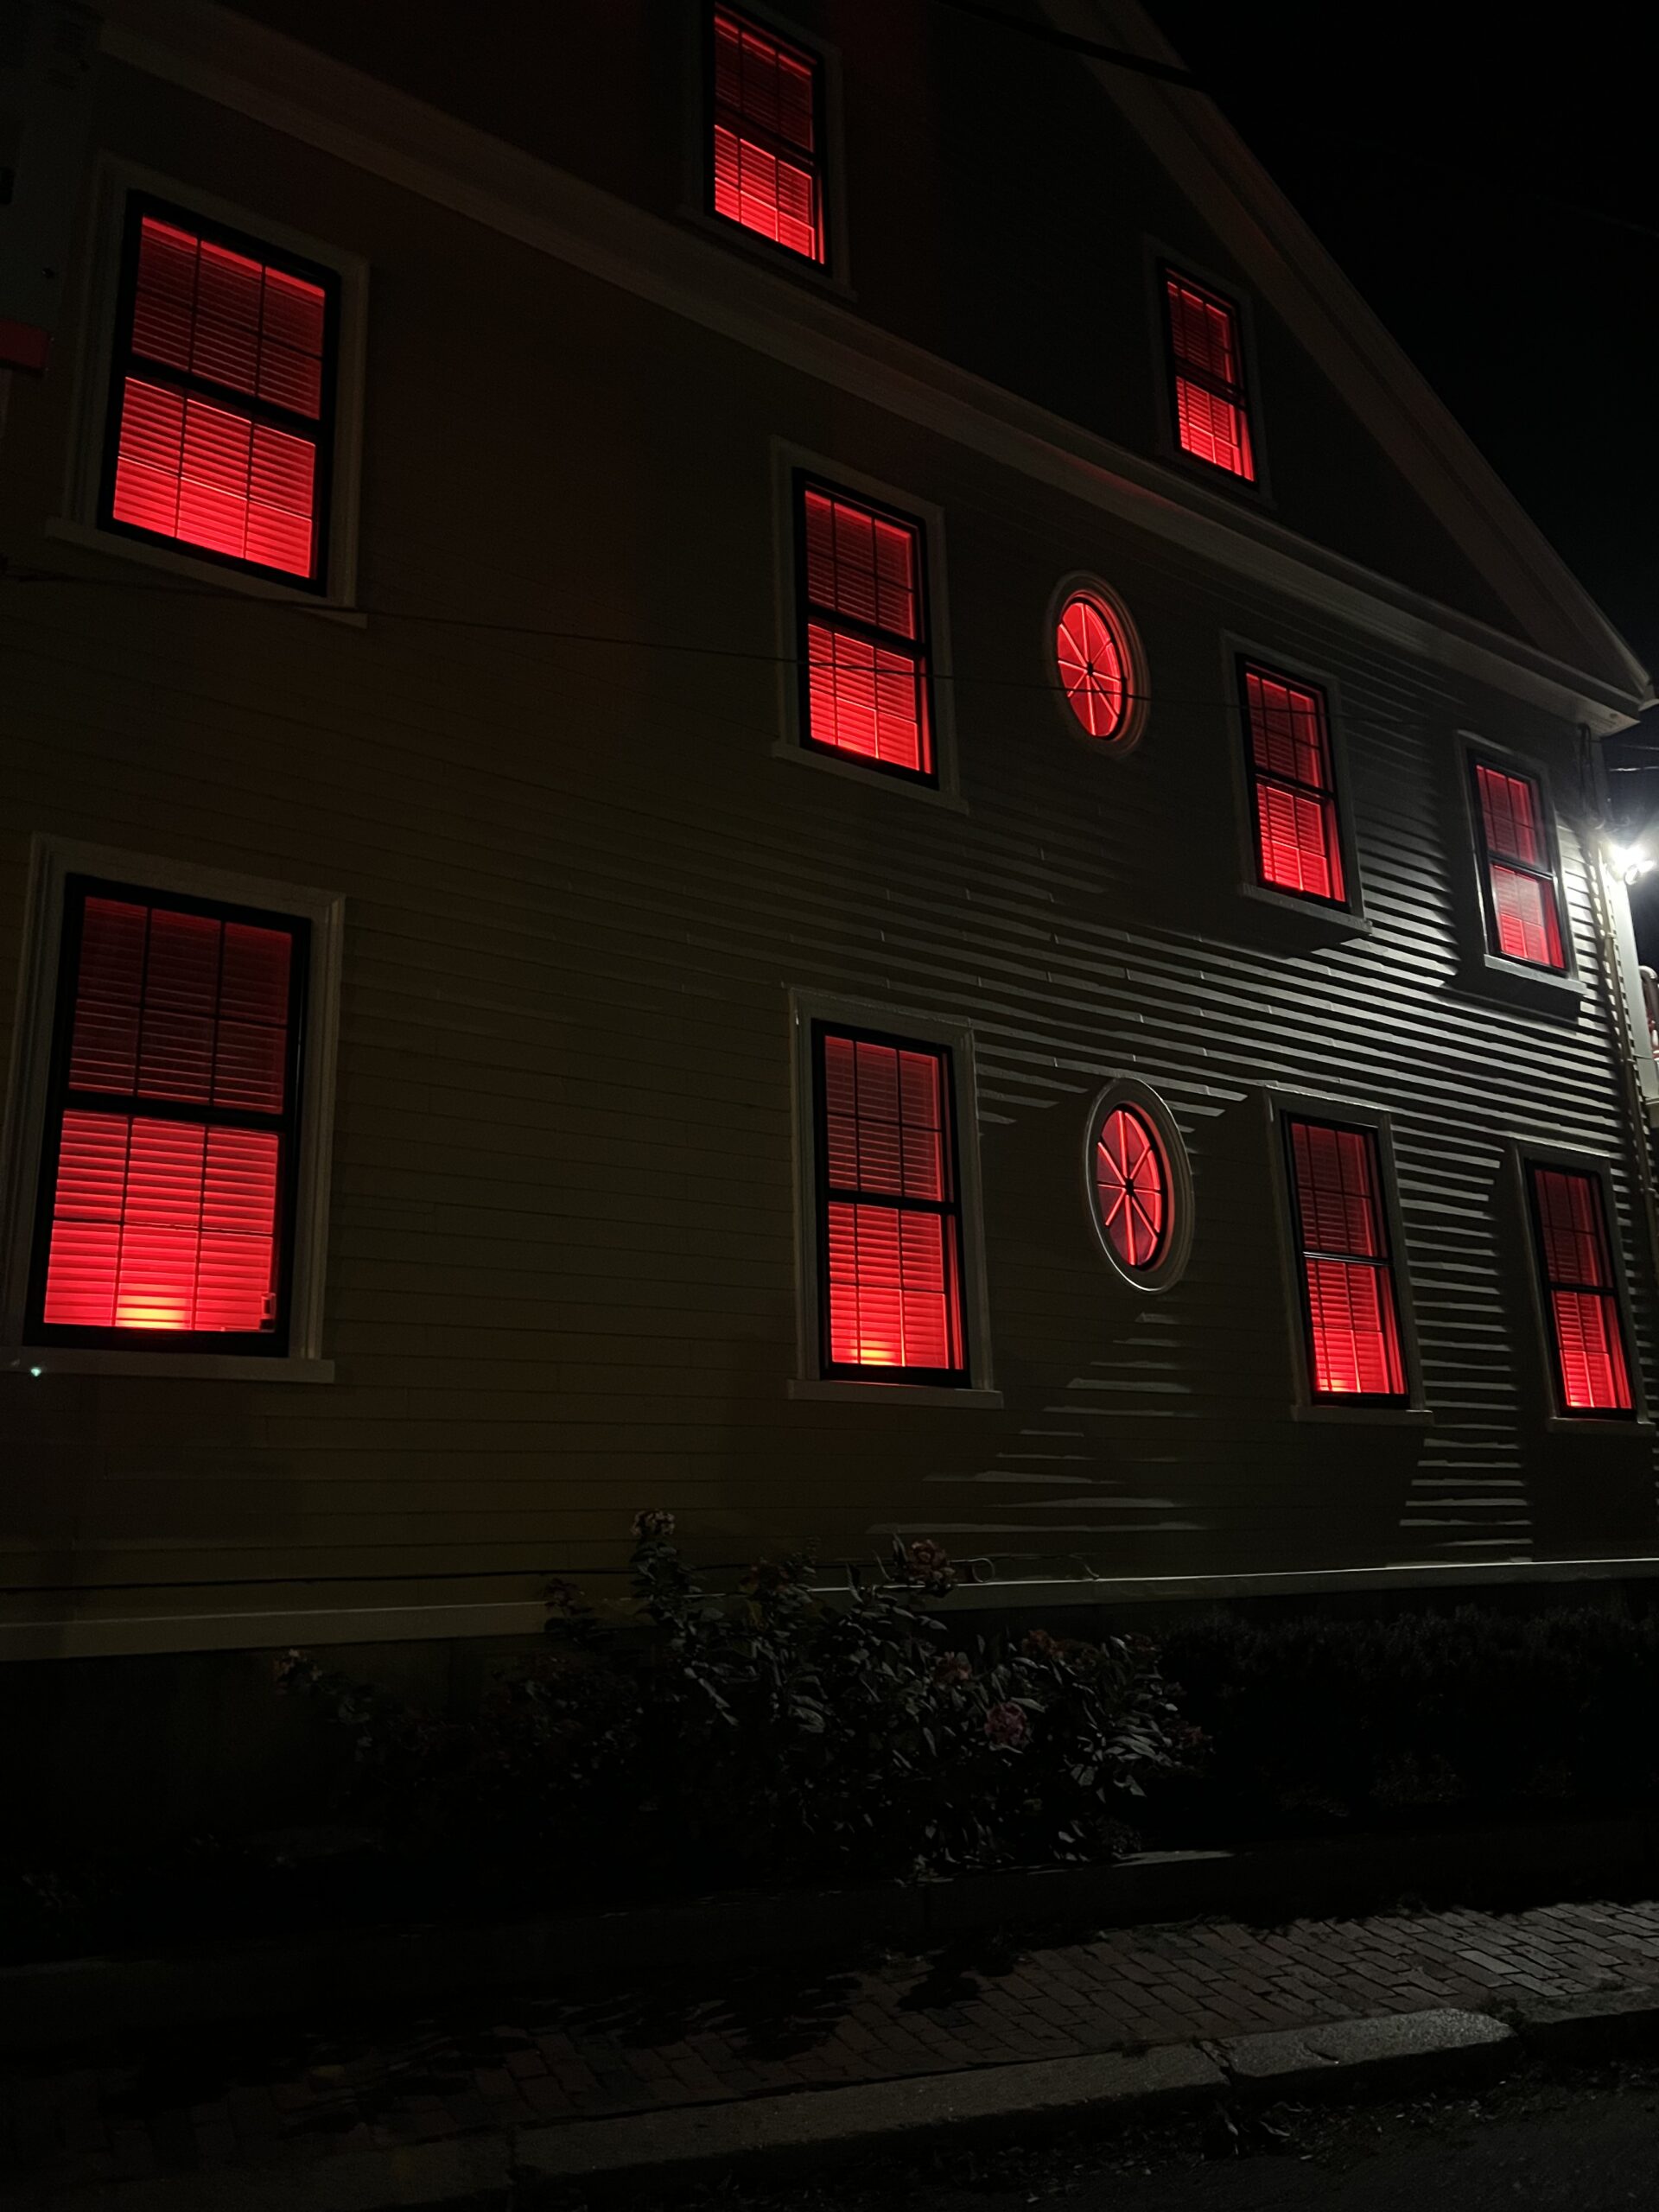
219 400
1132 1183
1093 664
173 1121
1523 902
1587 1328
1347 1295
864 633
889 1218
1212 420
1297 847
767 168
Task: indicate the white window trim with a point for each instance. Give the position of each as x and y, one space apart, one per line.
1133 1091
806 1007
786 460
52 860
79 525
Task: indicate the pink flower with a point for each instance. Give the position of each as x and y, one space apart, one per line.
955 1666
653 1527
1006 1726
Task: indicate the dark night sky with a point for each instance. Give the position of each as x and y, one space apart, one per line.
1455 162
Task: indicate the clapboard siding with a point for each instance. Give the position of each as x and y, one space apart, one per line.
562 1272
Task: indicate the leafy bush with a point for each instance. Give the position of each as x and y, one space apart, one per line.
1320 1721
767 1734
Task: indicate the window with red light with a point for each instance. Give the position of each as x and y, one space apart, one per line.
1132 1186
1349 1308
221 397
1520 889
1093 664
766 122
171 1125
889 1212
1292 786
866 690
1206 361
1586 1325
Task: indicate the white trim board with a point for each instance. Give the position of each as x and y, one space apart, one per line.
278 82
114 1635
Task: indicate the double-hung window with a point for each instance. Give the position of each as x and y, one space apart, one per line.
221 416
862 631
169 1147
1350 1308
1287 762
1520 889
1210 401
1584 1319
888 1200
767 135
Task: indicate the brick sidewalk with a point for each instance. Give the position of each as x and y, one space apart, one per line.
218 2098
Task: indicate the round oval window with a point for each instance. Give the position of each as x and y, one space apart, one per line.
1132 1179
1093 664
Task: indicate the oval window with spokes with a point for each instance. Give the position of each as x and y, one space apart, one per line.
1139 1186
1093 664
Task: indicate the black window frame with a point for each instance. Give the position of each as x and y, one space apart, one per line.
319 431
60 1098
1240 395
825 1194
1550 873
808 610
817 162
1248 664
1290 1120
1532 1166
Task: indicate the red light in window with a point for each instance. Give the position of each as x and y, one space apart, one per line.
1212 410
1298 846
164 1207
866 665
891 1233
1347 1277
1582 1299
1132 1179
1093 664
192 463
1526 916
765 161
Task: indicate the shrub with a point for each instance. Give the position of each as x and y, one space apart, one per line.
770 1733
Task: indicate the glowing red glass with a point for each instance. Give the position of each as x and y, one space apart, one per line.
1093 664
889 1222
1212 419
1526 915
766 165
1298 845
216 442
1132 1183
864 635
1570 1218
1347 1276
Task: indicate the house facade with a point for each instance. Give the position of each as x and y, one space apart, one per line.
768 764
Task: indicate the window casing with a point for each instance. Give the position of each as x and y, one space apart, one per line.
167 1170
767 135
1290 770
888 1201
1583 1317
1520 882
1209 396
220 430
1096 673
1350 1303
862 631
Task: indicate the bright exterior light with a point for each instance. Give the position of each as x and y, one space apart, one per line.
1629 862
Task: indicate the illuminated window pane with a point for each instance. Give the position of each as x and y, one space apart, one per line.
863 633
1586 1324
1093 664
1523 897
1132 1185
1212 420
766 160
1347 1291
1288 754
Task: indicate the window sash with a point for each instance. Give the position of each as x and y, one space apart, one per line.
1233 393
1603 1292
811 613
1325 796
126 362
1545 871
1379 1265
809 162
946 1210
63 1098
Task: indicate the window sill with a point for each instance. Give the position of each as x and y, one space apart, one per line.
897 1394
850 771
1318 919
92 540
1488 975
761 253
1389 1416
37 1363
1566 1424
